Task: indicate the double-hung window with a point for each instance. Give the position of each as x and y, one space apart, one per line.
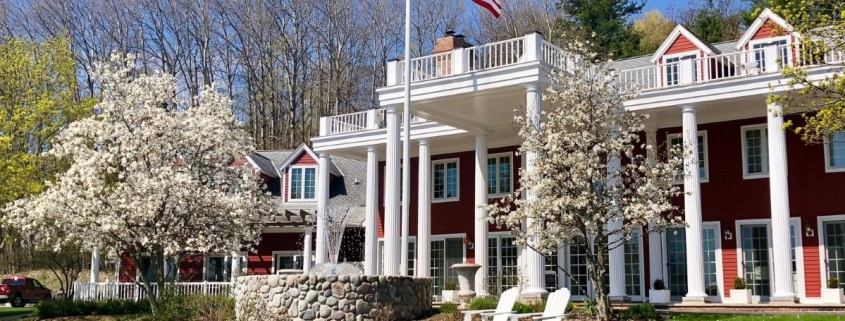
760 52
678 140
302 183
499 174
673 69
835 152
755 151
445 179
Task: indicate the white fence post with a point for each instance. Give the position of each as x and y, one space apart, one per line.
394 73
533 50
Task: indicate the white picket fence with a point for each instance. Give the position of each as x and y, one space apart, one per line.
100 291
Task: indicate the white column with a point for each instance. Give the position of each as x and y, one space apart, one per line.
617 254
779 196
306 248
95 265
235 270
534 261
392 213
424 212
692 209
371 220
481 213
322 207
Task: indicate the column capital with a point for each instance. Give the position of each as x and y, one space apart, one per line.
533 86
422 141
323 154
688 108
372 148
309 229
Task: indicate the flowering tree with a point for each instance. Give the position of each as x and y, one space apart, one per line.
575 195
151 175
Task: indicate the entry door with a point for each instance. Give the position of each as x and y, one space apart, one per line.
676 262
755 259
444 253
834 233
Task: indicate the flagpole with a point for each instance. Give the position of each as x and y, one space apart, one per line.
406 149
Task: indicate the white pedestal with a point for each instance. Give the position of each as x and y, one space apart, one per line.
466 272
659 296
739 297
835 296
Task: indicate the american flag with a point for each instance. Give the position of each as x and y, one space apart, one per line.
495 6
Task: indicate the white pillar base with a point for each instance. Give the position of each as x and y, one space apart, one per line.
696 299
534 293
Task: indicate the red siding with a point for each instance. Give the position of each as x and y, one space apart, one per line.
261 260
728 197
681 44
768 30
449 217
303 159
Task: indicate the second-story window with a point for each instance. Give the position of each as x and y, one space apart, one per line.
499 174
673 69
677 139
303 183
760 52
445 179
755 147
836 152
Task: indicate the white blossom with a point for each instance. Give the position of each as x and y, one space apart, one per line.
149 173
574 193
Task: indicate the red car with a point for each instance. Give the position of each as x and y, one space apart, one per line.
18 291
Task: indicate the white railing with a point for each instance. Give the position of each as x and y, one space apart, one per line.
555 56
358 121
100 291
725 66
429 67
496 54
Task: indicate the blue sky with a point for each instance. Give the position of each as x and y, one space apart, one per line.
661 5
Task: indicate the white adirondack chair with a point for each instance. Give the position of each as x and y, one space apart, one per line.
555 308
502 310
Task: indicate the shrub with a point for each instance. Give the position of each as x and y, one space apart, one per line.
448 307
195 307
739 284
68 308
640 312
832 283
450 286
569 307
522 308
483 303
658 285
538 306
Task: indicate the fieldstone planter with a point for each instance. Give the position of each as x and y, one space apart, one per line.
659 296
334 297
739 297
835 296
466 272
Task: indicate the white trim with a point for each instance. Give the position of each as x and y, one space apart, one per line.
702 133
457 196
498 177
679 31
720 271
827 167
241 254
823 270
764 141
800 291
289 177
294 254
758 23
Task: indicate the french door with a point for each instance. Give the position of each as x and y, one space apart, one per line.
756 263
676 261
834 237
444 253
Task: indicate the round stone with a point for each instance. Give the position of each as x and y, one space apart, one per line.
308 315
265 288
338 315
273 280
325 311
350 317
362 307
368 297
355 279
294 292
337 290
302 305
331 301
321 299
311 297
352 295
364 288
328 293
342 303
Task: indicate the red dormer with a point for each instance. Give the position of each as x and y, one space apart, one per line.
298 174
681 55
768 39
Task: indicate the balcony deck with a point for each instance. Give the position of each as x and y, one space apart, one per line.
648 80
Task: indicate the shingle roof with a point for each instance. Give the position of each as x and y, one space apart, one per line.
268 159
347 193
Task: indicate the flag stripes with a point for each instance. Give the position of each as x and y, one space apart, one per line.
494 6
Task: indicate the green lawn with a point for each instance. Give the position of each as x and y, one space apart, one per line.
8 312
753 317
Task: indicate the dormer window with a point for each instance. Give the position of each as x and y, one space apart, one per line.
759 50
675 68
302 183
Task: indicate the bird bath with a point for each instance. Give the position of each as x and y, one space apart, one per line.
466 272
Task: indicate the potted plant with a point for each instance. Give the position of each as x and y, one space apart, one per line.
740 294
658 294
833 294
450 291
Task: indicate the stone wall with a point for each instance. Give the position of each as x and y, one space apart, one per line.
336 297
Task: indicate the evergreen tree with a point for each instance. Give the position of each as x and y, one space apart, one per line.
606 24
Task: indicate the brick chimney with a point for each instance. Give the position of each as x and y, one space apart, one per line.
449 42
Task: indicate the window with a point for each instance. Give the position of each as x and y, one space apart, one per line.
633 284
760 52
445 180
673 68
755 149
550 272
149 271
677 139
499 174
302 183
287 260
503 254
412 256
835 153
578 280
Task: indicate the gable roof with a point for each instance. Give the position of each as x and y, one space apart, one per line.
674 35
333 169
764 16
265 161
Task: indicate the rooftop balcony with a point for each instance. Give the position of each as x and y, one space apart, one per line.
477 88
